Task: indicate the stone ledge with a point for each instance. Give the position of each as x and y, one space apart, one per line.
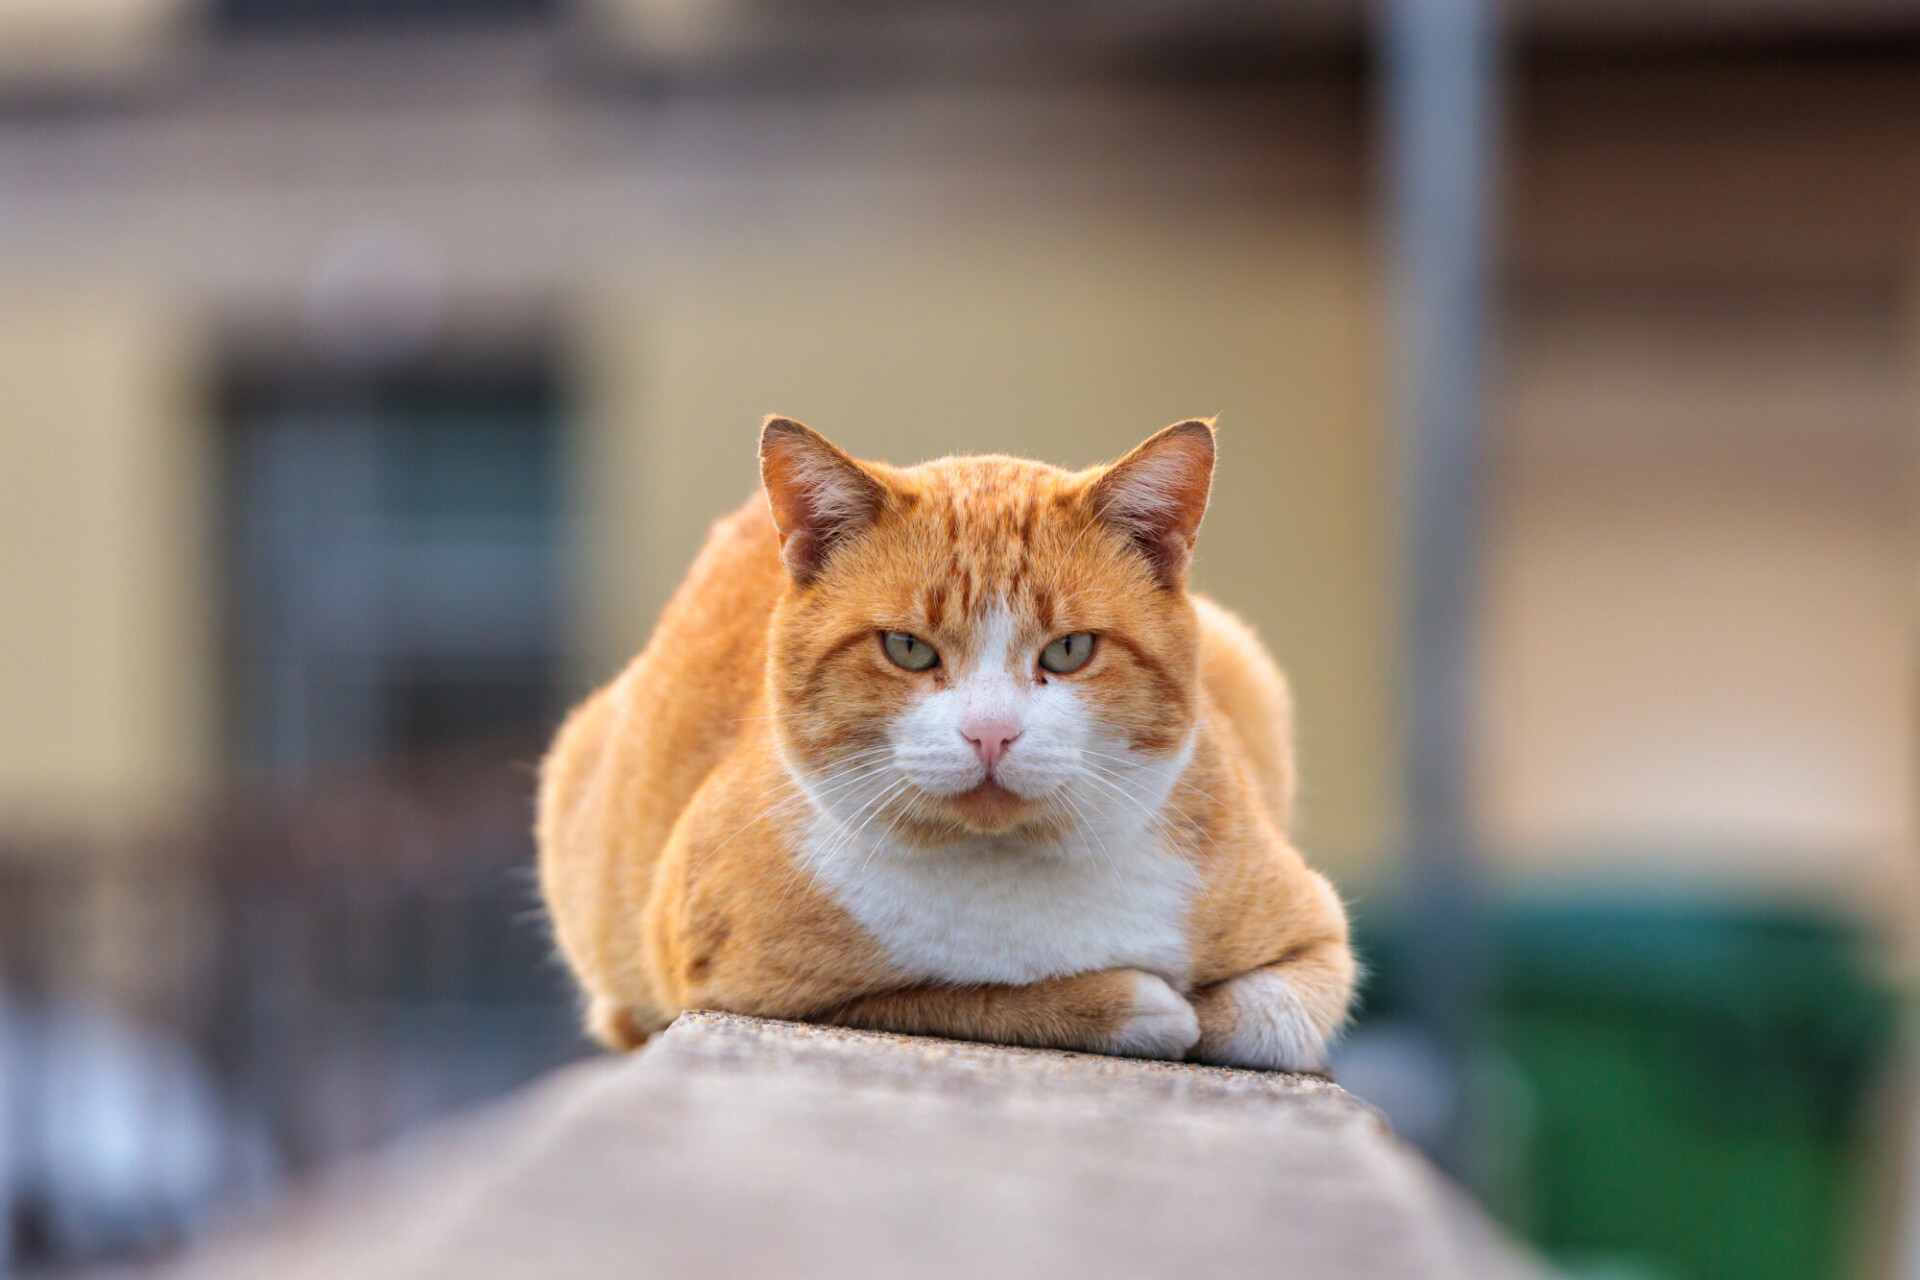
744 1147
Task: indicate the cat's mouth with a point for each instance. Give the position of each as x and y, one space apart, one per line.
989 806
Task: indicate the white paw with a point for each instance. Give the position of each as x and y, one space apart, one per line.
1271 1027
1163 1024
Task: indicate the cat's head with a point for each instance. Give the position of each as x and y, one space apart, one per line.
985 645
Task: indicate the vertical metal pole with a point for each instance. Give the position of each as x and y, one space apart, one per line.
1440 72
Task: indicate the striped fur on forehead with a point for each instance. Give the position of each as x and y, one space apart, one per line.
981 527
998 532
961 536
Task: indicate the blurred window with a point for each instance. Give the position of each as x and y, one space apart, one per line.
395 566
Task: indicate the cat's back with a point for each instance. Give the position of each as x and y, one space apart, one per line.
629 759
1250 702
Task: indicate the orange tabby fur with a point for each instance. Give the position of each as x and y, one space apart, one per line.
687 851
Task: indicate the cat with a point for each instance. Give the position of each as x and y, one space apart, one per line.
949 749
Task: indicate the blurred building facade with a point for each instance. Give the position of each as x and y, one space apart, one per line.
369 373
959 228
1040 268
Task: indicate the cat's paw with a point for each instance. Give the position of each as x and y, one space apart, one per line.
1266 1020
615 1025
1161 1024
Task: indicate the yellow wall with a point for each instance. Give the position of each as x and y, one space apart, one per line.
1066 337
105 697
1071 347
1700 627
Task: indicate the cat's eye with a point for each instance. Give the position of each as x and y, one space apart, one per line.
910 652
1068 653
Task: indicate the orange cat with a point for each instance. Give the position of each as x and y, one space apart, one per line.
949 749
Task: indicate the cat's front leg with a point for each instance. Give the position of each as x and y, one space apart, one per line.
1280 1017
1120 1011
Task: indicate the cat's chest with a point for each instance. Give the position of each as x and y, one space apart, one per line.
1019 915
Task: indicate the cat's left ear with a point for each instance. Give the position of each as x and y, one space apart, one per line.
1157 494
819 495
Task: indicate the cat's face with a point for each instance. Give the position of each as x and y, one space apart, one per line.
985 646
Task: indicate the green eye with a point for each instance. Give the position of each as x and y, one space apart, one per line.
1068 653
910 652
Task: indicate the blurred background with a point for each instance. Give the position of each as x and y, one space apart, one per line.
371 369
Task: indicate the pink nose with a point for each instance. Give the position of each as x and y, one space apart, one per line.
990 738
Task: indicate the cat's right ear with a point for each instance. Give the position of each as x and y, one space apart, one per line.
819 495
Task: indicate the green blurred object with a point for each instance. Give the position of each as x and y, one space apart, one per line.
1682 1088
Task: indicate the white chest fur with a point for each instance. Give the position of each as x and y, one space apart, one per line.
986 911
